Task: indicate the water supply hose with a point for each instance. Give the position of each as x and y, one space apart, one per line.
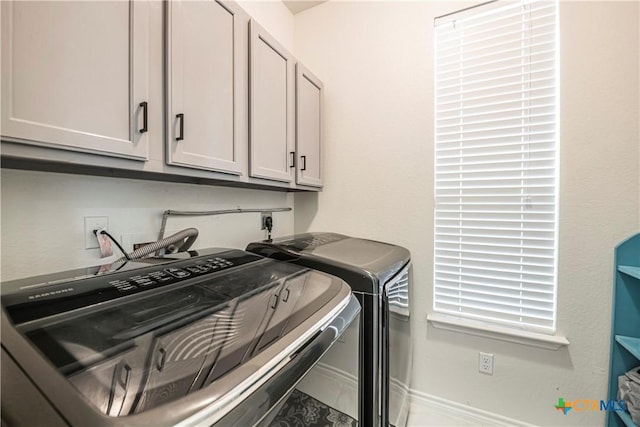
187 236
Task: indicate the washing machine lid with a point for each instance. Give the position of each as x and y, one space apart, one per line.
164 341
365 264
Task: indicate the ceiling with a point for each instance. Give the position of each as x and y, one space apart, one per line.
297 6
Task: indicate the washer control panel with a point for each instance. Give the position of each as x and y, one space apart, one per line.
171 274
46 299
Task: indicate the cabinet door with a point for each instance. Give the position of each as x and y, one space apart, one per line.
309 106
271 101
110 385
203 54
283 302
177 359
75 75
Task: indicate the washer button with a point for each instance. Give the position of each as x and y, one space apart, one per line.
177 273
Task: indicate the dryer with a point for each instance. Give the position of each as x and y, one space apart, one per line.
380 277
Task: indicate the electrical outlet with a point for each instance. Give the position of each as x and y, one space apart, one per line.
485 363
92 223
263 219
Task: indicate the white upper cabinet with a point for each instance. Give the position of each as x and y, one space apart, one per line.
75 75
191 89
271 114
309 122
204 51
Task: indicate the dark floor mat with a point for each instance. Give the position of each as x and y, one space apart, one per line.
302 410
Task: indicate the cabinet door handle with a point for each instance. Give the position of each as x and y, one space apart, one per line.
293 159
120 385
162 358
125 376
180 118
304 163
144 105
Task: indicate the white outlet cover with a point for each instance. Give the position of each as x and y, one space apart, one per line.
485 363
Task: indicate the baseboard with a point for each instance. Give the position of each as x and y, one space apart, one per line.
338 374
425 401
473 416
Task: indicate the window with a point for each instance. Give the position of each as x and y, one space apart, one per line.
496 164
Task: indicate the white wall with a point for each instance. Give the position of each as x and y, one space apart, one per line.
376 61
42 214
43 217
274 16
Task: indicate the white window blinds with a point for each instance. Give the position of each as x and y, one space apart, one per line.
496 149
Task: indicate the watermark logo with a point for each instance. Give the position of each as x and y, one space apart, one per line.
584 405
563 406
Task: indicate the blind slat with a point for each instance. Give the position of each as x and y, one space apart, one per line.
499 128
492 95
533 100
511 142
497 288
512 301
493 171
493 261
465 79
533 282
503 118
489 162
503 153
503 228
496 308
490 236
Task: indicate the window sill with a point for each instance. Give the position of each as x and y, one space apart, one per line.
481 329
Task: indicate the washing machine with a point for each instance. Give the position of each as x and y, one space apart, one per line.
380 276
213 337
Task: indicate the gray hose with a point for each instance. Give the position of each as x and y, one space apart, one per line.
190 234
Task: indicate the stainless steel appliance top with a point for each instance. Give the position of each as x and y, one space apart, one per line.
365 264
164 339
